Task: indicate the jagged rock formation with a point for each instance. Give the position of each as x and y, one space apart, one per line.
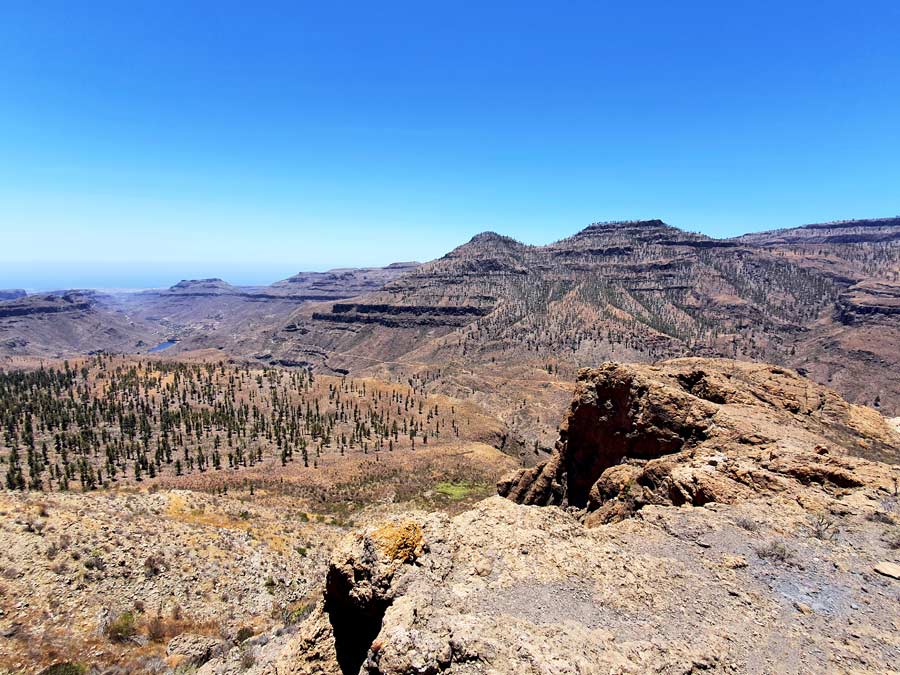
762 544
692 431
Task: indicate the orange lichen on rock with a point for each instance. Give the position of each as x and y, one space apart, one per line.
401 542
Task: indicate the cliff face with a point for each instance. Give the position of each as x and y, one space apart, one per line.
692 431
67 323
735 529
24 305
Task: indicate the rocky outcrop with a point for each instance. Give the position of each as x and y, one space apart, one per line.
12 293
401 315
871 299
693 431
505 589
760 544
193 650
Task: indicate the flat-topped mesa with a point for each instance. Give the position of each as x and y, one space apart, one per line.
48 303
600 237
867 231
702 430
12 293
202 286
403 265
615 225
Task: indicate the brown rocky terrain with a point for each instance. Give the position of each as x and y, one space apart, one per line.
204 313
143 578
710 516
160 564
496 317
494 313
692 431
196 314
693 514
67 324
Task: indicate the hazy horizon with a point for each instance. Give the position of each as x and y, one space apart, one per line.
47 276
36 276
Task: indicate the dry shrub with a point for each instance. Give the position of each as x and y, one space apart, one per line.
774 550
122 627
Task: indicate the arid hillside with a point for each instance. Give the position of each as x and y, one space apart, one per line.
819 298
150 500
68 324
120 421
192 314
699 516
509 325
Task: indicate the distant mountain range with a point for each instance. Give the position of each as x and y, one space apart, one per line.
823 298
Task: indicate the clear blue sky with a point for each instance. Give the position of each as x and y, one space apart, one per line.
257 139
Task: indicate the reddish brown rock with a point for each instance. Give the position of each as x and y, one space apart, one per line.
694 431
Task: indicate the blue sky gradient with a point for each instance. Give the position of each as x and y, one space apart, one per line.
186 138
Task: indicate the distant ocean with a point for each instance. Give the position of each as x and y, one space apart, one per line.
37 277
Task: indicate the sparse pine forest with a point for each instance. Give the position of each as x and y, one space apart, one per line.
112 420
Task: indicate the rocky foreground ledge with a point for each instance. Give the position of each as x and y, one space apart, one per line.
734 531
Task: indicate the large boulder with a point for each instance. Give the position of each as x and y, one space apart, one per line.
702 430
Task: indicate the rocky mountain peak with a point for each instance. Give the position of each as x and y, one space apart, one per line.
490 241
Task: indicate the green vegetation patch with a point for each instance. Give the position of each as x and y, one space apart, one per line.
457 491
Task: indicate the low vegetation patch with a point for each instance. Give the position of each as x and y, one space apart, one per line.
456 491
122 627
776 551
